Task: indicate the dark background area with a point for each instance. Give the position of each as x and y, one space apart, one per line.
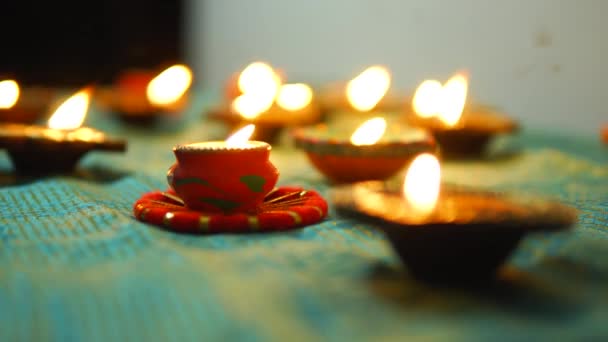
71 43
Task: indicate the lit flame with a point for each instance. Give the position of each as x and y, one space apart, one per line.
421 183
368 88
72 112
259 77
446 102
259 85
9 93
169 86
453 99
250 106
427 98
294 96
369 132
240 137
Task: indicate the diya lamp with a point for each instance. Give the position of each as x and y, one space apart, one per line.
223 176
368 92
374 150
460 130
228 187
449 234
36 150
142 97
262 99
22 105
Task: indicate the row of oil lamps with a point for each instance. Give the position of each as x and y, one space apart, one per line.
351 132
259 95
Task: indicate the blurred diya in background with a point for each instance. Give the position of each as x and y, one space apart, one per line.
142 97
262 99
373 150
461 130
449 234
57 148
367 92
23 105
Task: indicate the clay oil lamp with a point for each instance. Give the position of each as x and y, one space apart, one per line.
57 148
261 98
448 234
461 130
144 97
373 150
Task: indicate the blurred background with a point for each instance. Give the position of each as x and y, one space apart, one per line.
543 61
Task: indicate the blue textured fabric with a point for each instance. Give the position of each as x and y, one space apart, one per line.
76 266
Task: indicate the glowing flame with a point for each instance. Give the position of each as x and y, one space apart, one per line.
368 88
72 112
169 86
421 183
9 93
259 77
250 106
259 85
240 137
427 98
369 132
453 99
445 102
294 96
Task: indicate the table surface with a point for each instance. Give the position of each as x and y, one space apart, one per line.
76 266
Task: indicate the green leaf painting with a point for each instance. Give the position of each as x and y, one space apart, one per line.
255 183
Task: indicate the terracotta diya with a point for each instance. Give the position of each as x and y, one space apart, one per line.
461 131
449 234
259 97
23 105
141 96
228 186
374 150
367 92
36 150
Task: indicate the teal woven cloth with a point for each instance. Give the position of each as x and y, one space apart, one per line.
75 265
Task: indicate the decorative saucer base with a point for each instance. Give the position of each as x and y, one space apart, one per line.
283 209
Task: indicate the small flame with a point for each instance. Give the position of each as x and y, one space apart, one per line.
259 77
169 86
446 102
250 106
9 93
240 137
368 88
295 96
369 132
453 99
259 85
72 112
427 98
422 182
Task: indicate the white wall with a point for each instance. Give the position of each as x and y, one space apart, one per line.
543 61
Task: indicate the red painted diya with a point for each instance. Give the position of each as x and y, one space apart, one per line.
217 177
283 208
332 153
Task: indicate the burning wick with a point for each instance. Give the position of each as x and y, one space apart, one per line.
422 183
240 138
